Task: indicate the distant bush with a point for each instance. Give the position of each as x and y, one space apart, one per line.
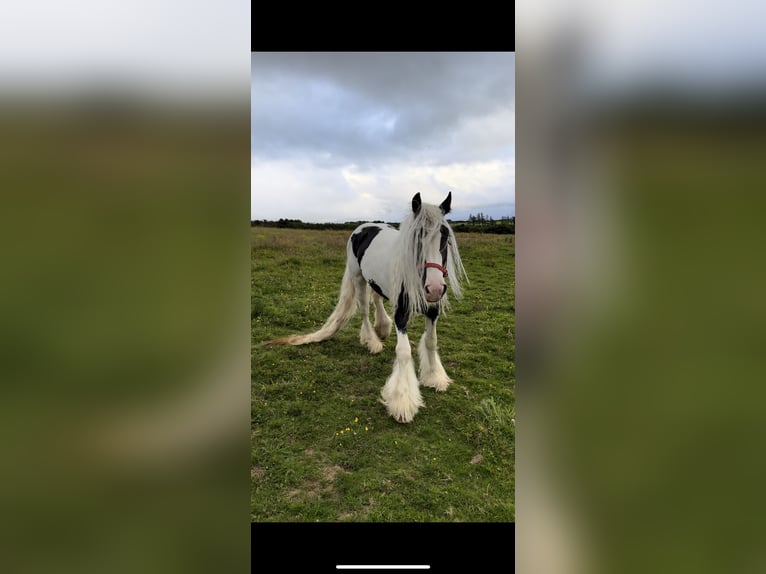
506 226
298 224
480 224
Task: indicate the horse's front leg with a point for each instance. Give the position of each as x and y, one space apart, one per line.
401 393
432 372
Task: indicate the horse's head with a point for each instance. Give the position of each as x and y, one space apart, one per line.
433 240
427 258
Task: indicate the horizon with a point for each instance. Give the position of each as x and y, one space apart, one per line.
448 218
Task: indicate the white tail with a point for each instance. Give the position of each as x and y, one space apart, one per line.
344 310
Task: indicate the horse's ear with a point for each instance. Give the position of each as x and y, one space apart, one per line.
416 203
446 204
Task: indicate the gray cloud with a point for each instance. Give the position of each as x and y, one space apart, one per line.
373 127
373 106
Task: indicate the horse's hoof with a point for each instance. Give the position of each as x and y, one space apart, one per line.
440 384
374 345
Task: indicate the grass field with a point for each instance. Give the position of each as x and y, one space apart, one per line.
324 448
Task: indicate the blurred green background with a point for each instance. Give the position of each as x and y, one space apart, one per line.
125 339
640 247
124 347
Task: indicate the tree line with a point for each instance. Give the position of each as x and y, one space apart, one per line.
479 223
298 224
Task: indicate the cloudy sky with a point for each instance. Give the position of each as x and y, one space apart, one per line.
137 45
353 136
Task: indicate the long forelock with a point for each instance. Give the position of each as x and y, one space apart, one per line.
456 271
408 261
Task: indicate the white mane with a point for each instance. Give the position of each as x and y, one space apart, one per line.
408 263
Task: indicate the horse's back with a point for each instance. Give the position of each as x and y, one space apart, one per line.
369 252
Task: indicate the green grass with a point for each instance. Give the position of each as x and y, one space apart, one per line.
323 446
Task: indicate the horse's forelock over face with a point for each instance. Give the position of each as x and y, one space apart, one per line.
433 260
435 264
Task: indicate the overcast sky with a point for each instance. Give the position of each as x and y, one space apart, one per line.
353 136
52 47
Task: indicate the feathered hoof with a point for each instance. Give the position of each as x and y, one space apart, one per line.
374 345
402 409
438 382
383 330
403 417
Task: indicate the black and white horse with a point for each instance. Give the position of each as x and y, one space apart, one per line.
409 267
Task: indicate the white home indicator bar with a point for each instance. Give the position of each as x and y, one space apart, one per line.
383 567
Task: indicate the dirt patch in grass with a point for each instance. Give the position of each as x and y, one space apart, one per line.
323 489
310 491
329 473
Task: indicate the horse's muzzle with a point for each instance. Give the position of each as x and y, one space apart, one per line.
434 294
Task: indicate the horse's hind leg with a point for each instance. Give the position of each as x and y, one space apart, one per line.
432 373
382 320
367 336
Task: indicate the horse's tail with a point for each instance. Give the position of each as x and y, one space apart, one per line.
344 310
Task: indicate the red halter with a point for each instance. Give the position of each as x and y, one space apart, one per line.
436 266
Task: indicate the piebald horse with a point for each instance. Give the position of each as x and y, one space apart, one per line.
409 267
